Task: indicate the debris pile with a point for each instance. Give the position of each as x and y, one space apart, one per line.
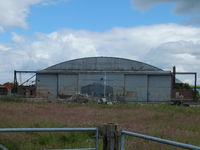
81 98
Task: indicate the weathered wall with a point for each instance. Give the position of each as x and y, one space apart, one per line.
67 85
98 84
26 91
159 88
3 91
136 87
46 85
115 86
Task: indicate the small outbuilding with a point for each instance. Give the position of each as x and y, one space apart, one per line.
116 79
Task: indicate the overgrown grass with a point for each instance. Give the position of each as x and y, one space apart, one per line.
11 99
177 123
50 140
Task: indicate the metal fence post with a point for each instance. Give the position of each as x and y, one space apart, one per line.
97 139
122 141
110 137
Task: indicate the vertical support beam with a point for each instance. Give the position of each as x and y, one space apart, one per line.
15 82
36 84
97 139
104 89
110 138
78 83
57 85
195 86
174 75
147 88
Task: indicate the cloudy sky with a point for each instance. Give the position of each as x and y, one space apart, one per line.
37 33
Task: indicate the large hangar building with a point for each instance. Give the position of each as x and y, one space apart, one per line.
114 78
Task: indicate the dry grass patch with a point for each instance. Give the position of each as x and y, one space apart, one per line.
172 122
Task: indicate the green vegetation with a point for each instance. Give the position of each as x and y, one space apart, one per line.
50 140
177 123
186 86
10 99
182 86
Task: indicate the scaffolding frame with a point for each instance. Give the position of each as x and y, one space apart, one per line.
15 78
186 73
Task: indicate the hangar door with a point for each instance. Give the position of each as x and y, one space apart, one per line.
46 85
135 88
67 85
116 82
95 85
159 88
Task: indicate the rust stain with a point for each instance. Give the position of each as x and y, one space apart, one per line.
131 94
46 94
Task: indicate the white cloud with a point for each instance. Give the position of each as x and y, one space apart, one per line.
190 8
184 54
52 2
17 38
14 12
162 45
181 6
4 48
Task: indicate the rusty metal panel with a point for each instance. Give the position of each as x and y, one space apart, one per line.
67 85
159 88
46 85
135 88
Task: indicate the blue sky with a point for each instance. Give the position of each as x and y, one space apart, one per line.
91 15
96 15
37 33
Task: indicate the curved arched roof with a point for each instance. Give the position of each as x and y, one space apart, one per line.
102 64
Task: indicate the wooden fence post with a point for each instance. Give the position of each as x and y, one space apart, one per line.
110 137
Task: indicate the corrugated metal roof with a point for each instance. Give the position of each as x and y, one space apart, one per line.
101 64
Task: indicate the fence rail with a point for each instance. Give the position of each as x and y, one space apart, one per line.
164 141
46 129
110 137
4 130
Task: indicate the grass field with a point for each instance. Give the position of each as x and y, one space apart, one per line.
177 123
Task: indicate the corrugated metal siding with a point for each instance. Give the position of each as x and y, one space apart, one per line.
129 87
116 81
91 84
67 85
103 64
159 88
136 88
46 86
113 84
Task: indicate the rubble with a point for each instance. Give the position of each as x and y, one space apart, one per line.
81 98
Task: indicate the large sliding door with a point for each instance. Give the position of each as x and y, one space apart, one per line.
135 88
159 88
46 85
67 85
